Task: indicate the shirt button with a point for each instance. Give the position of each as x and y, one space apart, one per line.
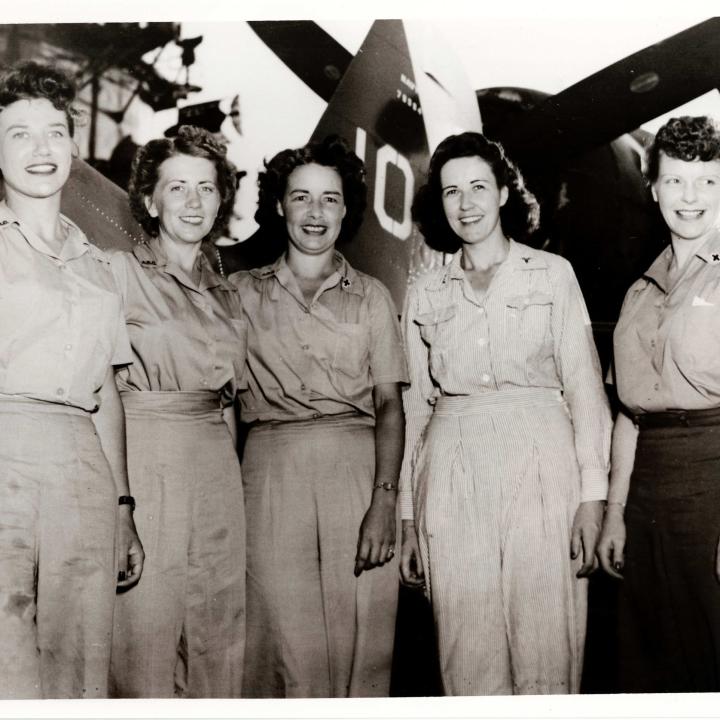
526 301
303 388
656 386
652 343
203 381
60 392
482 342
68 346
481 310
305 347
485 378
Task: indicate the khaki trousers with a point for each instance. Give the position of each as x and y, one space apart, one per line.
314 629
497 487
181 631
58 508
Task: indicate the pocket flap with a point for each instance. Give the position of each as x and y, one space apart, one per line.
437 316
533 298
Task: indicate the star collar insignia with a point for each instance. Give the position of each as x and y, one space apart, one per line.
345 283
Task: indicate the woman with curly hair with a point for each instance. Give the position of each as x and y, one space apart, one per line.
663 516
181 632
67 536
323 453
507 441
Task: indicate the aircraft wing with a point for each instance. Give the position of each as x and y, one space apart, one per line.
100 208
317 58
619 98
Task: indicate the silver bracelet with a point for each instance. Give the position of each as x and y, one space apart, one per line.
385 486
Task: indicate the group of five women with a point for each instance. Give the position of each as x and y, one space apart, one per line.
137 559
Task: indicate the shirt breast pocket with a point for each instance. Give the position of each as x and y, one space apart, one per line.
699 344
528 318
436 330
351 350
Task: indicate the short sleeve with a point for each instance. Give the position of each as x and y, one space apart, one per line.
387 357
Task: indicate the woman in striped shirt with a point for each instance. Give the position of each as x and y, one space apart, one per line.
507 439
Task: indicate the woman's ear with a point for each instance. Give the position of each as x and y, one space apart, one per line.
504 194
150 206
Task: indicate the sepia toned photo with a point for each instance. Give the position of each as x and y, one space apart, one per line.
359 359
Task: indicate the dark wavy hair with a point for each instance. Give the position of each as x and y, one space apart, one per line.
332 152
29 80
684 138
192 141
519 217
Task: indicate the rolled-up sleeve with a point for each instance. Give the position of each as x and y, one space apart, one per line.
578 367
416 399
387 359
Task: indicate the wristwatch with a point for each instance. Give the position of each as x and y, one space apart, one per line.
127 500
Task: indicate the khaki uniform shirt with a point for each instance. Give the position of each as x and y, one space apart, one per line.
530 330
61 323
667 340
183 336
305 361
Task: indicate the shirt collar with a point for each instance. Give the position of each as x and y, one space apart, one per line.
150 254
710 250
344 275
76 244
658 272
520 257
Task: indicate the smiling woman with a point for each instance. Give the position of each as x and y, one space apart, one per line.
507 439
664 498
323 452
181 633
65 509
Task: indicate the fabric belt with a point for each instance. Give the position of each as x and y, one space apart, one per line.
316 418
14 403
498 401
180 401
678 418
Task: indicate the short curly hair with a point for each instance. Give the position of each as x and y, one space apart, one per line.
332 152
684 138
29 80
519 217
192 141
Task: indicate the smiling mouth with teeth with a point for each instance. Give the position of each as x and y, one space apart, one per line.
41 168
689 214
314 229
470 220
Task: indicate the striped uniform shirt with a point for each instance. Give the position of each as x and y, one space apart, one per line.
531 330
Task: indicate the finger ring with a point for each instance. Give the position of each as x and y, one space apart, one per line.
122 575
391 551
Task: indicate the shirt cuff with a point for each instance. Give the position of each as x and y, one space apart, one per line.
594 485
406 505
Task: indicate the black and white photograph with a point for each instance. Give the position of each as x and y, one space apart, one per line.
360 362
